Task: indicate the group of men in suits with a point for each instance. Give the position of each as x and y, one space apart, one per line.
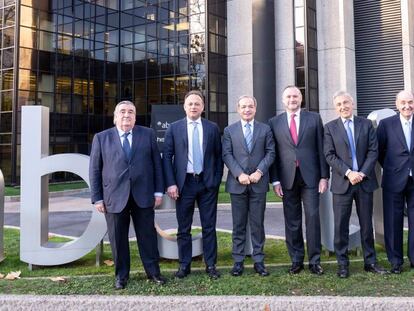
293 152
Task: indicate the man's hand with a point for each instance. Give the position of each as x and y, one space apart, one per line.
172 192
100 207
255 177
158 202
354 177
323 185
278 190
244 179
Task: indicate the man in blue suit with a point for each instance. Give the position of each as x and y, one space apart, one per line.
193 169
126 181
396 156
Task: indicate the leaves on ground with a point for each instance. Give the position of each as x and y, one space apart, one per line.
1 276
58 279
109 263
13 275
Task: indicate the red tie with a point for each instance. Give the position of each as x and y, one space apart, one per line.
293 131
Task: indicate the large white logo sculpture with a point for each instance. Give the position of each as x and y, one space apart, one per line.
36 164
1 215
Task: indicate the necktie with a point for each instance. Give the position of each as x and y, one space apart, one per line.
197 157
407 134
126 147
293 130
248 136
352 144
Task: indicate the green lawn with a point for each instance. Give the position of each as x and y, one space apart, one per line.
222 198
85 278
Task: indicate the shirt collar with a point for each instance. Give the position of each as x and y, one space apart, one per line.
351 118
404 120
244 122
121 132
297 113
189 121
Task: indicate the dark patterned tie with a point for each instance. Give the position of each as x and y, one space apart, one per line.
126 146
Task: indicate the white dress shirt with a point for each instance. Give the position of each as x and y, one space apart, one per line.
407 128
190 130
297 119
244 126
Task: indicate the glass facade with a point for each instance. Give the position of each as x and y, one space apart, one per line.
306 52
80 58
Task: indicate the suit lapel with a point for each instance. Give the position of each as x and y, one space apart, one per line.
136 141
256 129
357 130
341 130
399 132
182 128
285 128
118 144
205 135
302 125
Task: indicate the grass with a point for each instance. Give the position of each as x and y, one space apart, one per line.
86 279
12 191
223 196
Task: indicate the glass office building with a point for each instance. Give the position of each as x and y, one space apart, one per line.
80 58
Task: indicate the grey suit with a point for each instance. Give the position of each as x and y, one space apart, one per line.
248 201
338 154
300 182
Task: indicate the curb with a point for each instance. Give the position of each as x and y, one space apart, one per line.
199 303
55 194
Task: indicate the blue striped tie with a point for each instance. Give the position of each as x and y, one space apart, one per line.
248 136
197 156
352 144
126 147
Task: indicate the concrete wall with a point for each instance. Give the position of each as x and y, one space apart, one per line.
284 49
336 52
407 14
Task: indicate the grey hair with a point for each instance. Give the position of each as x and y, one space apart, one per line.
124 102
249 97
342 93
403 91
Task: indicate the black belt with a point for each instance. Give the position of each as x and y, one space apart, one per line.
195 175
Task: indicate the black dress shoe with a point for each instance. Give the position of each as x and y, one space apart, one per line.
296 268
182 272
396 269
316 269
157 279
343 271
237 270
375 268
260 269
212 272
120 284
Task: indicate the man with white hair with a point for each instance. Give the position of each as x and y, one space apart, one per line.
126 180
396 156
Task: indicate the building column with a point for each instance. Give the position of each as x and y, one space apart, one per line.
336 52
284 49
407 12
250 55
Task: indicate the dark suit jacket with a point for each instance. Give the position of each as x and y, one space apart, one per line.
239 160
338 153
394 156
308 151
175 156
113 178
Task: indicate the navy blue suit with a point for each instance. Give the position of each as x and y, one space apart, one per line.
398 187
127 189
202 189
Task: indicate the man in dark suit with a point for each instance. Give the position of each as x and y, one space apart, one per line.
126 181
351 149
299 174
396 156
193 169
248 152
